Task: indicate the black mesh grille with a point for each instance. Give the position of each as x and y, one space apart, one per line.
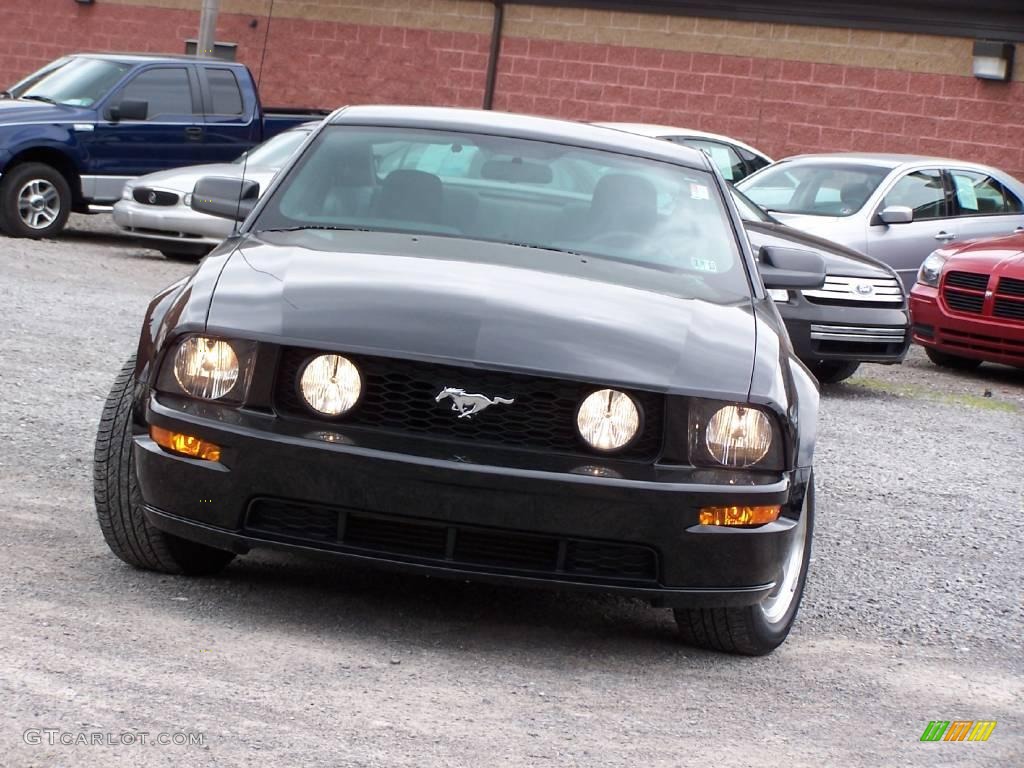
399 396
1010 309
1009 286
972 280
148 196
471 546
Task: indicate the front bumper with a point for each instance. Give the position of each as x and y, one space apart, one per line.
976 337
842 332
170 223
412 505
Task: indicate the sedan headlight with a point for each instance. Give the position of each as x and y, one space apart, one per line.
608 420
734 436
931 269
330 384
126 192
778 294
206 368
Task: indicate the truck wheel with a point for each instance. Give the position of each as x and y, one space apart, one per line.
755 630
946 360
832 371
119 503
35 201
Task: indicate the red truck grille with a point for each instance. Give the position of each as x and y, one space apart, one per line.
1009 301
964 292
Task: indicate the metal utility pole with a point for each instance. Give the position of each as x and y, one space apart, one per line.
207 27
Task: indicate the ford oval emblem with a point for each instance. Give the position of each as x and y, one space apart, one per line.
865 289
152 198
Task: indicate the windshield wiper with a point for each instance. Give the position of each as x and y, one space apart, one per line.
542 247
34 97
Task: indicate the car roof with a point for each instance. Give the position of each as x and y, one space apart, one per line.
880 159
661 131
583 135
144 57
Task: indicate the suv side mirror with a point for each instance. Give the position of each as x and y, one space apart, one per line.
791 267
224 197
896 214
129 109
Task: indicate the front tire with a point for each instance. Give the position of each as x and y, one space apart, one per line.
755 630
955 362
35 201
119 506
185 253
832 371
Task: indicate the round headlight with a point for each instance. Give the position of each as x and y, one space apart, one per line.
738 436
206 368
330 384
608 420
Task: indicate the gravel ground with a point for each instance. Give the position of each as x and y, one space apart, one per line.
913 610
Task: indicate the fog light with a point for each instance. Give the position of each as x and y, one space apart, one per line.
186 445
739 515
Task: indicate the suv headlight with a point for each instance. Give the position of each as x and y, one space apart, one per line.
931 269
734 436
208 368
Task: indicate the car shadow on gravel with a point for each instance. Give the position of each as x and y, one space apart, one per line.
292 594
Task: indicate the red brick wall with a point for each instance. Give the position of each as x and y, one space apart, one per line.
781 106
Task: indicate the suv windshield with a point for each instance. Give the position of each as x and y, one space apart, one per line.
273 153
839 189
78 82
613 217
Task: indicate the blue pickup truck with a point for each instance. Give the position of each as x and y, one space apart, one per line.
72 133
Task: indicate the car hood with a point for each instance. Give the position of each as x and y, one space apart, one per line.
1004 255
29 111
839 260
184 179
426 298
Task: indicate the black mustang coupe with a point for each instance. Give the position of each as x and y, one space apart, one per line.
487 346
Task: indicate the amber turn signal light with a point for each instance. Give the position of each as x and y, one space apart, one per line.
738 515
186 445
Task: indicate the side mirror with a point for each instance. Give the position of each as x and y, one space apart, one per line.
224 197
896 214
791 267
129 109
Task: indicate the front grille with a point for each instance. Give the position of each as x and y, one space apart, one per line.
972 280
399 396
861 292
1009 286
452 544
1009 309
964 302
148 196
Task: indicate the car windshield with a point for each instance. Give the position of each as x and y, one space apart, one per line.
816 189
27 82
273 153
626 219
78 82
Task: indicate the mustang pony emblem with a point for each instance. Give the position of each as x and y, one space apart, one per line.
467 405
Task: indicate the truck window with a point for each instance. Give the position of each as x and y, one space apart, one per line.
167 90
224 91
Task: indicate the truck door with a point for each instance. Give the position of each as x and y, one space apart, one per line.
167 134
232 119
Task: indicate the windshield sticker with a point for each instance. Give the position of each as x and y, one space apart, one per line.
699 192
703 265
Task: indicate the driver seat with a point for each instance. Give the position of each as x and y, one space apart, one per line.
623 203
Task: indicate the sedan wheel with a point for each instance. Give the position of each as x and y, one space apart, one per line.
35 201
946 360
832 371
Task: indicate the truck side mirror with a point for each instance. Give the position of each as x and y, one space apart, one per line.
224 197
129 109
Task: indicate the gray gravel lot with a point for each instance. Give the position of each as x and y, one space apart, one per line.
913 611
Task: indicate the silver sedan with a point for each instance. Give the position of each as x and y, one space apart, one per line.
896 208
157 207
